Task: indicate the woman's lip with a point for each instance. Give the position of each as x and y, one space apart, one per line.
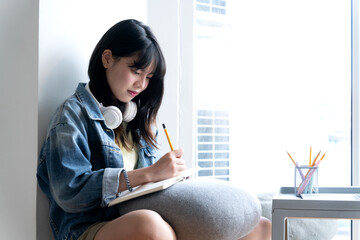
132 93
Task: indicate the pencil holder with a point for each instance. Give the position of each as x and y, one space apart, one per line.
306 180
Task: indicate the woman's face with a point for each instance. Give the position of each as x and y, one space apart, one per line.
125 82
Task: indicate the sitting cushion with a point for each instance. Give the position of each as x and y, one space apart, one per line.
202 209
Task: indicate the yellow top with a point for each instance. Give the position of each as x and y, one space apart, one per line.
130 158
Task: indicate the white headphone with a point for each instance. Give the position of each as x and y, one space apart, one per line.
112 115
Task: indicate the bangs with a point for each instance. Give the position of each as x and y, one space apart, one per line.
147 56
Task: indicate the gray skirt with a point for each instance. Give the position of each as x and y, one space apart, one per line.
202 209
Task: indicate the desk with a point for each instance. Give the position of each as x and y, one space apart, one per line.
329 205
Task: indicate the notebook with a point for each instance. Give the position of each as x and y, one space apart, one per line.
152 187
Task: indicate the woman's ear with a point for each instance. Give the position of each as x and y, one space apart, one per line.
107 58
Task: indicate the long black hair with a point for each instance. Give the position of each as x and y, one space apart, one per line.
125 39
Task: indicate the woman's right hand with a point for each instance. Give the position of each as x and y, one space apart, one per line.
169 165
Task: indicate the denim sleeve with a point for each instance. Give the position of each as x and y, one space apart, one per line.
110 185
73 184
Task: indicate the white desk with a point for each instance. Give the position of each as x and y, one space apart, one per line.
332 204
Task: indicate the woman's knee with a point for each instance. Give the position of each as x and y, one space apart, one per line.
153 226
262 231
266 227
139 224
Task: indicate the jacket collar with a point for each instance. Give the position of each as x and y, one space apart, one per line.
90 104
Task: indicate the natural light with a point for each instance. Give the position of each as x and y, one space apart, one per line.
282 71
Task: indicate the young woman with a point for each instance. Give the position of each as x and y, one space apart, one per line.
102 141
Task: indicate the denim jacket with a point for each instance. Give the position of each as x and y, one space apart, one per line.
79 166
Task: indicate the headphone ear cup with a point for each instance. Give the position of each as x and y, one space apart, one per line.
112 115
130 111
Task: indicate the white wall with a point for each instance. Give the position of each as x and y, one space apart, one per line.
45 48
18 111
68 33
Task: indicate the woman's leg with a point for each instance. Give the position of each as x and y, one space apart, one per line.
262 231
202 209
139 224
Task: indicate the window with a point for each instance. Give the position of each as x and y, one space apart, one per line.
281 70
212 139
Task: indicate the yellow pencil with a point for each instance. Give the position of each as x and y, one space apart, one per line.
291 158
322 156
168 138
313 164
310 155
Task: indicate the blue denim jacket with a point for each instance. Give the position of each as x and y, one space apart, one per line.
79 166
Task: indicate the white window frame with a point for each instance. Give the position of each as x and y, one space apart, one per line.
174 31
355 94
355 125
187 104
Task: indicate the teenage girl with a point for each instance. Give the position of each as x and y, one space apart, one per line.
103 140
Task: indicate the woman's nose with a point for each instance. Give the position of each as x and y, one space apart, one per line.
141 82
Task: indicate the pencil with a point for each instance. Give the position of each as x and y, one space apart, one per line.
313 164
297 166
168 138
322 157
291 158
310 156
